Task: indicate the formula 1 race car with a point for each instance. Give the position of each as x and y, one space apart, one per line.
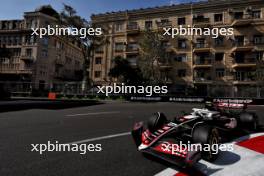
208 126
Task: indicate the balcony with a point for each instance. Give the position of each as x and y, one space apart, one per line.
59 62
201 22
242 47
132 49
203 63
132 61
164 24
133 29
243 78
243 63
27 58
201 47
202 80
243 20
25 71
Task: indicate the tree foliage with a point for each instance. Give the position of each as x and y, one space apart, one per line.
152 57
123 71
69 17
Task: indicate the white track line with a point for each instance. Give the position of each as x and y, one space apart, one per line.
101 138
93 113
167 172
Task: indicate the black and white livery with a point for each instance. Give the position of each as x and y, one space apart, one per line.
212 125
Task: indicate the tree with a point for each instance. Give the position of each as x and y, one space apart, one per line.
69 18
124 72
48 10
152 57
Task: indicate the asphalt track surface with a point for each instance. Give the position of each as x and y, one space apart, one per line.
107 124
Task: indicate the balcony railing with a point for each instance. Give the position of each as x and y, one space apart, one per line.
132 27
241 63
201 45
164 24
203 61
246 79
242 20
27 58
202 79
241 46
201 21
132 61
244 61
132 48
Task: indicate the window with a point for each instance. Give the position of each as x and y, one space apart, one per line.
200 43
99 49
44 53
16 52
258 39
219 56
165 44
29 52
68 60
239 57
30 39
97 74
181 58
182 72
164 21
132 25
218 17
219 41
133 46
239 40
98 60
45 41
181 21
182 44
119 46
220 72
238 15
256 14
119 27
259 55
148 24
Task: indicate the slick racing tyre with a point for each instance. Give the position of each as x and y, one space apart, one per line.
248 120
208 136
156 121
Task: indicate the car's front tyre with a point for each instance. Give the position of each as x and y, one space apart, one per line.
208 137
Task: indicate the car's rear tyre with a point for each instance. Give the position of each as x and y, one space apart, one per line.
248 120
156 121
208 136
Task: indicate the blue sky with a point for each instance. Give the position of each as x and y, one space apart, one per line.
13 9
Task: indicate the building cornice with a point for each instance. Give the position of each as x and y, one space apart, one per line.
181 9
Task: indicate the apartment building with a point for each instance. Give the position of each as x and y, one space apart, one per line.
224 65
38 62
